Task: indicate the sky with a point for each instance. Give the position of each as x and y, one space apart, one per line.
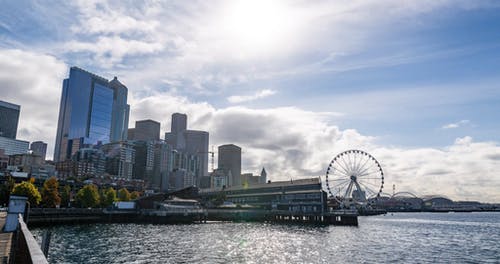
294 83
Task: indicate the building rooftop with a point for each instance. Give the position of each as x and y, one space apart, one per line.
10 105
92 74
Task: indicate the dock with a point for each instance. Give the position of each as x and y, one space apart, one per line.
5 240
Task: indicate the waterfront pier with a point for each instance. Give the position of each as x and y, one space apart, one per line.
5 240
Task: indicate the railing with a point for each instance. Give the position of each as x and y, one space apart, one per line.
27 250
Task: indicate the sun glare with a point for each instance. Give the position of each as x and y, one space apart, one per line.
257 26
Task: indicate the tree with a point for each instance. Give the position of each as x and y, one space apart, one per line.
88 196
134 195
109 197
65 195
26 188
123 195
50 193
5 190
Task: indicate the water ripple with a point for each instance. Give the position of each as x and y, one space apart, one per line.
399 238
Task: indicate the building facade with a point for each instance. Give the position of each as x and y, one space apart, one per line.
163 164
303 195
92 111
229 162
190 142
120 159
144 160
39 148
14 146
86 163
145 130
9 119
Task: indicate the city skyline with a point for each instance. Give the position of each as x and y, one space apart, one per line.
413 83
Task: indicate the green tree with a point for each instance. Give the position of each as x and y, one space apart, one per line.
88 196
65 195
109 197
134 195
5 190
50 193
123 195
26 188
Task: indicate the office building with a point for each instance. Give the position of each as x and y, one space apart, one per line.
4 161
184 170
14 146
86 163
9 119
163 163
92 111
230 163
120 159
39 148
190 142
144 160
145 130
179 123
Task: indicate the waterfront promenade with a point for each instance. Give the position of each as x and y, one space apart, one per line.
5 240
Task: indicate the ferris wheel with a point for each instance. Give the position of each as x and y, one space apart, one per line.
354 176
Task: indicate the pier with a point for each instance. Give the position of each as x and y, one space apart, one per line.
5 240
282 216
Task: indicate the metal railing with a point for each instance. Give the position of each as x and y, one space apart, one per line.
28 250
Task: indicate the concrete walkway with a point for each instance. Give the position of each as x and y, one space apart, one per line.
5 240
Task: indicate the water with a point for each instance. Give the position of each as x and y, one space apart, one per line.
397 238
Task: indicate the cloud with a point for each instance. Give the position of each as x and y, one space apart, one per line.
456 125
210 46
110 50
33 81
246 98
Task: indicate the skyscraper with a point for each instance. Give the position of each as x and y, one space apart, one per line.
230 163
179 123
191 142
145 130
39 148
92 111
9 119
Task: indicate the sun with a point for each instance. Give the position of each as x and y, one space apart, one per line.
257 26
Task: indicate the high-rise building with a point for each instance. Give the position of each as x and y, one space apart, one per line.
179 123
191 142
39 148
14 146
163 163
120 159
87 162
230 163
145 130
263 176
92 111
9 119
144 160
184 170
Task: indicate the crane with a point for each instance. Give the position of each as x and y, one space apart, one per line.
212 155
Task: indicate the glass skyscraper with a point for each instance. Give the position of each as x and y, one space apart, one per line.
9 118
92 111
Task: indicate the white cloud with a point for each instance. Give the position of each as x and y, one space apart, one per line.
111 50
456 125
246 98
33 81
214 44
